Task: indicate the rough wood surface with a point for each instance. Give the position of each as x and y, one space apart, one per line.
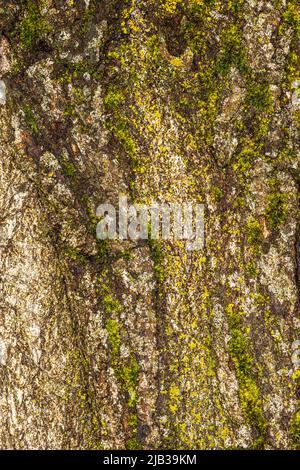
135 345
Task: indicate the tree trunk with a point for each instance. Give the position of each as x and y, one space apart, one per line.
136 344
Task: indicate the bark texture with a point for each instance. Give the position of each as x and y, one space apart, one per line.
145 345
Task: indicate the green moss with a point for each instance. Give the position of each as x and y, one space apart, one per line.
170 6
102 245
251 404
157 256
110 304
152 45
253 231
276 210
236 6
238 348
33 26
74 254
132 444
259 95
249 393
87 18
295 429
251 269
232 52
174 394
78 393
114 337
31 119
126 255
291 16
295 422
122 132
129 376
217 194
114 98
119 123
126 369
68 168
243 162
72 72
78 95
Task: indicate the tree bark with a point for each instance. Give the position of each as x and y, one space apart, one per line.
114 345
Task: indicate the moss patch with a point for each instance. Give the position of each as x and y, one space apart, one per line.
33 26
249 393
